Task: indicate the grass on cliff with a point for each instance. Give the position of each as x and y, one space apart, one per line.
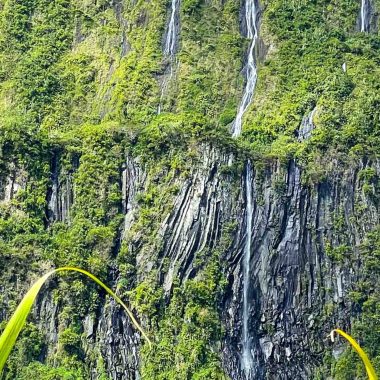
17 321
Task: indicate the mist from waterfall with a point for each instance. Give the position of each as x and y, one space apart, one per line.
251 19
247 358
170 48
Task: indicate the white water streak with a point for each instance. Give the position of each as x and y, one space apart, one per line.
251 72
171 36
364 16
247 359
307 126
170 49
164 87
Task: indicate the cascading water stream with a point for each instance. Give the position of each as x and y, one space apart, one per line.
247 358
251 20
170 48
251 69
171 36
364 15
307 126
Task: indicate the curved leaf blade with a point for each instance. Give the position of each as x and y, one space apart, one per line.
368 365
16 323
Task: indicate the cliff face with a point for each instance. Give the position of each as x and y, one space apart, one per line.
298 286
239 255
294 279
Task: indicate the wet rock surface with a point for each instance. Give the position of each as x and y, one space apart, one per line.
297 290
293 279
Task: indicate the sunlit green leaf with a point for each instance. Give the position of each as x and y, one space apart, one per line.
17 321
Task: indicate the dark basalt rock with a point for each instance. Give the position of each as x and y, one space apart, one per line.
293 279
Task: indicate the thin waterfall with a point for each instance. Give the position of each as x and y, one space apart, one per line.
170 48
251 19
247 357
307 126
164 86
364 16
171 36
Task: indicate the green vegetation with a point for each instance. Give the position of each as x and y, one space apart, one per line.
368 365
188 331
308 44
79 86
69 337
365 297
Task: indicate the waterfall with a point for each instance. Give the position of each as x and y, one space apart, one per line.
364 16
164 86
247 358
53 208
170 48
171 36
53 201
251 20
307 126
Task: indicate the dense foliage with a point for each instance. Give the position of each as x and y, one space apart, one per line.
80 85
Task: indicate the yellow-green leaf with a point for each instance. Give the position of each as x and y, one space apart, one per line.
368 365
17 321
